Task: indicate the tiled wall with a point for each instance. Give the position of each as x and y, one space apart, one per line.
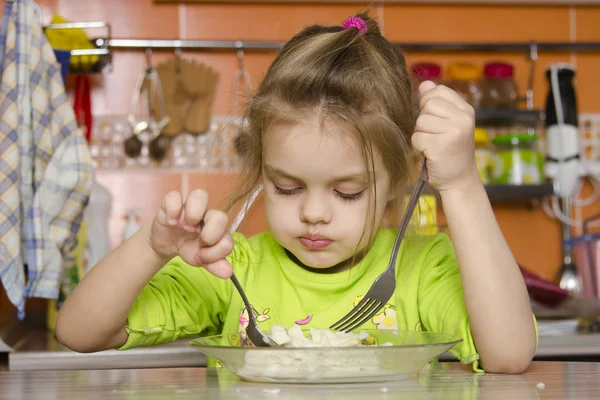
533 236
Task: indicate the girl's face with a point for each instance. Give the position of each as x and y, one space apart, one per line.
317 193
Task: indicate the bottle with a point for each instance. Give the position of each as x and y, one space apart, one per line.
97 216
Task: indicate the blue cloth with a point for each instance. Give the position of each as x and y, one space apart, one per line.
64 58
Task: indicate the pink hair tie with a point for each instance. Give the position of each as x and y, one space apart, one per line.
356 23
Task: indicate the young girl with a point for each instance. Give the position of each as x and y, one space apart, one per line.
333 137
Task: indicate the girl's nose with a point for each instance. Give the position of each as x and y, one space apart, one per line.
315 210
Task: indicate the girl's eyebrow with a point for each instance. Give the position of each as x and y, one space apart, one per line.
277 172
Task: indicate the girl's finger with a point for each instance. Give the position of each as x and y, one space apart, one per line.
422 141
221 269
215 226
426 86
195 208
431 124
443 92
212 254
440 108
170 209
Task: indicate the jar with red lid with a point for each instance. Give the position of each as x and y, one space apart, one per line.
499 86
426 71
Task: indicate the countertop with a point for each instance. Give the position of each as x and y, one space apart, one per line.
543 380
39 350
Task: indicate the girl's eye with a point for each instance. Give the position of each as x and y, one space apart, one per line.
350 196
286 192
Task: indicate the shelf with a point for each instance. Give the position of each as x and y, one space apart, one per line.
504 117
510 194
518 194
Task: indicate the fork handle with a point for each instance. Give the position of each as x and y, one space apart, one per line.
410 208
239 288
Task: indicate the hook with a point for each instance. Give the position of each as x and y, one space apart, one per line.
177 59
149 57
533 51
533 56
240 55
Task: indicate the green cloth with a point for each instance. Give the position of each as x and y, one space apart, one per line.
182 301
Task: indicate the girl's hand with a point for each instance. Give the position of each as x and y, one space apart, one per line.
444 133
176 231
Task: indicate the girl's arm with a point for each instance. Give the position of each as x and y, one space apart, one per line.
495 294
94 316
496 297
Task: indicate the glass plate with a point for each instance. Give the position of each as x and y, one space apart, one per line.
408 353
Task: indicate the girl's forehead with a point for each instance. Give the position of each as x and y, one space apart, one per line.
312 136
308 150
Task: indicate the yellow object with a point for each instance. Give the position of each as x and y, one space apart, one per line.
463 72
481 137
484 158
424 219
71 39
71 277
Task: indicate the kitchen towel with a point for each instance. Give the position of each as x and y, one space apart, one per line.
46 170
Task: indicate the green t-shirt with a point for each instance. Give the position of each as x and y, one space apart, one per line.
184 301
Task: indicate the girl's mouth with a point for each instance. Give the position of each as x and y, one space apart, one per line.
315 243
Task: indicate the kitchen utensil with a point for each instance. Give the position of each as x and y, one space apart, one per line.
159 147
254 333
385 284
257 337
240 142
148 100
408 353
569 279
200 84
176 102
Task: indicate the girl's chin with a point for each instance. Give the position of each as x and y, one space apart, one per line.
323 265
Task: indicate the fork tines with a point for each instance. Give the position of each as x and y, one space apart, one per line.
364 311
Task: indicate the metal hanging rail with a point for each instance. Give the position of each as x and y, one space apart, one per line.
275 45
105 44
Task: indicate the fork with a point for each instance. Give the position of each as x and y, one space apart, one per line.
257 337
385 284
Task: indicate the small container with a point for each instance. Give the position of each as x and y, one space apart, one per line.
425 72
484 157
464 79
499 86
517 160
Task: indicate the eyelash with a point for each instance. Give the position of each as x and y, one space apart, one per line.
343 196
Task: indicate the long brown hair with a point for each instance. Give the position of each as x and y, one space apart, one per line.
343 77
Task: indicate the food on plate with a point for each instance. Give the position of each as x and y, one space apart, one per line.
295 337
313 354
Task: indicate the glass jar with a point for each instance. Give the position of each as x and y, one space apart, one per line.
425 72
499 86
517 160
483 155
464 79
